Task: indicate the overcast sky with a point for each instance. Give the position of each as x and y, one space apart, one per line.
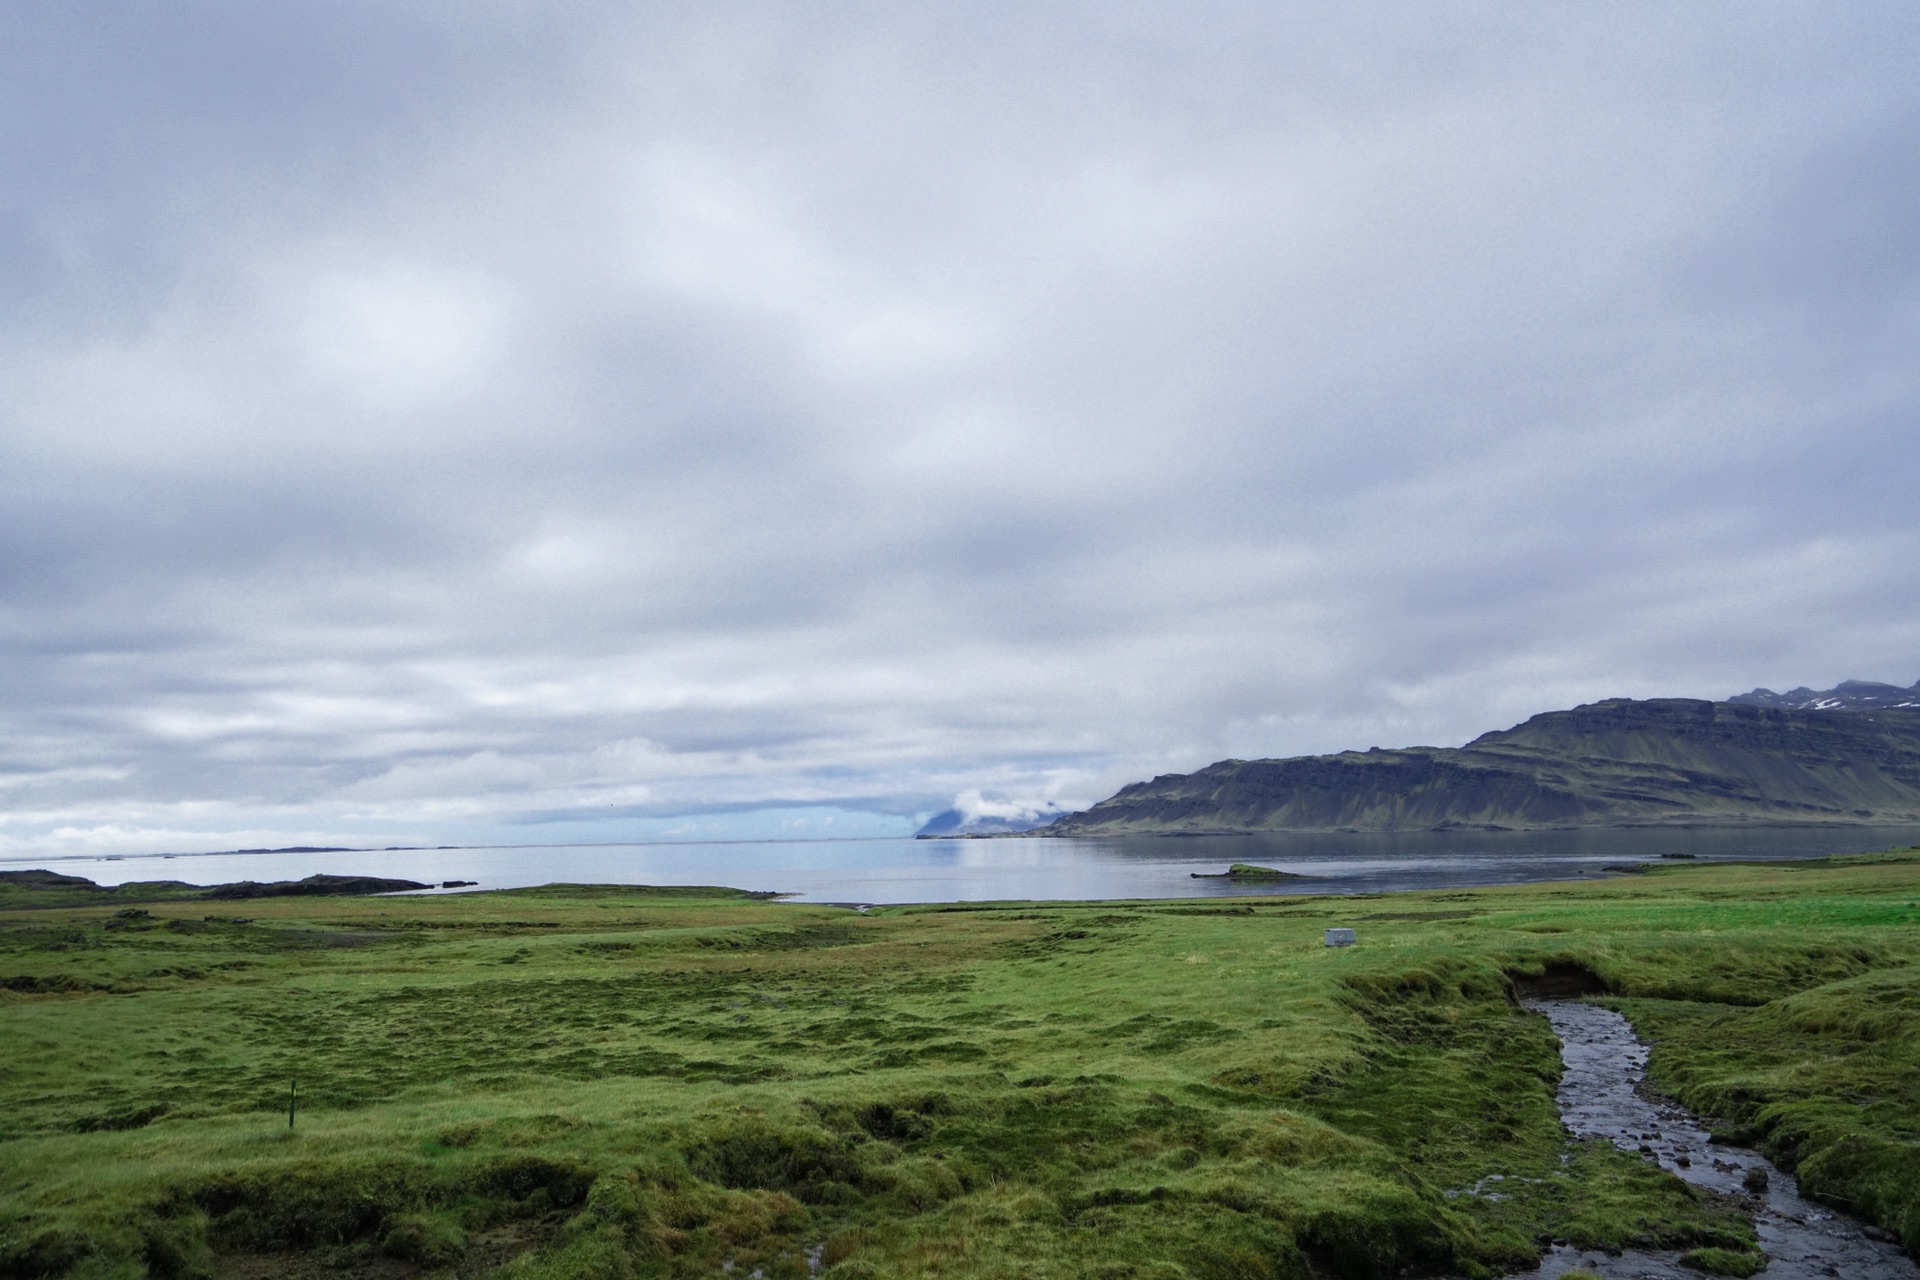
536 421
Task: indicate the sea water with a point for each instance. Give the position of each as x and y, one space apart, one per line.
906 870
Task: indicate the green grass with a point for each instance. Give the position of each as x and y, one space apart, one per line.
604 1081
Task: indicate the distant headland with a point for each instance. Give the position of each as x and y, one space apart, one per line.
1847 755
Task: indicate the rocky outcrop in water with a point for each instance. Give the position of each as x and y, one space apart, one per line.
314 886
1608 764
49 888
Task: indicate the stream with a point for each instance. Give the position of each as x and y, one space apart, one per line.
1600 1097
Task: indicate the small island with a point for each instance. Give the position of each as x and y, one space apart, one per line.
1246 871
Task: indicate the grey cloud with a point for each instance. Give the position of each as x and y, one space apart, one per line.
452 421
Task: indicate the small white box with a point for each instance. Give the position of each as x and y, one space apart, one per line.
1340 937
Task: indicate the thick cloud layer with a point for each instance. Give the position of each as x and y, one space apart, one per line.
541 422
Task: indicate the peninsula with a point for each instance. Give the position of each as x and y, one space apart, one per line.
1849 755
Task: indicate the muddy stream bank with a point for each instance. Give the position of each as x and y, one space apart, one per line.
1600 1096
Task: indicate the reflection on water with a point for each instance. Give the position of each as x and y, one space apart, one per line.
881 871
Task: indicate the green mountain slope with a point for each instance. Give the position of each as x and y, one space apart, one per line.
1614 763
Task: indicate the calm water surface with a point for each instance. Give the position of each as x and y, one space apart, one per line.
883 871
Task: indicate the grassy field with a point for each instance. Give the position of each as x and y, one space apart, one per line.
619 1082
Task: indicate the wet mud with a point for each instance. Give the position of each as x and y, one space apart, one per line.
1601 1096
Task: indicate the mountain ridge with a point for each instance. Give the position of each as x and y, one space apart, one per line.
1615 763
1848 695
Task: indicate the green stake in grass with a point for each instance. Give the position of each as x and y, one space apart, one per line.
292 1094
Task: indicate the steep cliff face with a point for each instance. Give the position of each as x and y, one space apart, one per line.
1613 763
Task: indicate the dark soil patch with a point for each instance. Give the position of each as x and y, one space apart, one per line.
300 1266
1560 980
